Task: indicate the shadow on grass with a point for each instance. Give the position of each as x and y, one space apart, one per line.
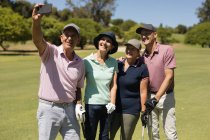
18 52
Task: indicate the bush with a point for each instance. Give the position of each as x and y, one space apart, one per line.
164 35
13 27
199 34
88 28
52 29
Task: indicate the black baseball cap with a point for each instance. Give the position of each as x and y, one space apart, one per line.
145 26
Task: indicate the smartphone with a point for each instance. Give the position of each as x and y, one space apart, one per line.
45 9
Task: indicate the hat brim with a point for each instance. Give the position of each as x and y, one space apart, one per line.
138 30
127 44
115 44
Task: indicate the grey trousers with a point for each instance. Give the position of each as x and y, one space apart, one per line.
53 119
127 122
165 110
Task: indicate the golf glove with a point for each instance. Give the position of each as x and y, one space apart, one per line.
150 104
110 108
80 113
144 119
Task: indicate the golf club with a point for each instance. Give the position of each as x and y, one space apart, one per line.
83 125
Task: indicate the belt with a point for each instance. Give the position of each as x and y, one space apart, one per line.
54 104
167 92
153 92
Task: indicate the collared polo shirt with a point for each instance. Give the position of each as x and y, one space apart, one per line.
128 99
98 79
162 58
59 77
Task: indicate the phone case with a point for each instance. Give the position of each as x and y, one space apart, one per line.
45 9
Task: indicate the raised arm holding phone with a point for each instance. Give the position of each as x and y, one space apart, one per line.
61 79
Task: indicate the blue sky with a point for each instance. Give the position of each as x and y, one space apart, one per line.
168 12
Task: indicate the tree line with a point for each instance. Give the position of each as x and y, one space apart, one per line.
93 17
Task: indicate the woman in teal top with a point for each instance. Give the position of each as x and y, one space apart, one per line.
100 92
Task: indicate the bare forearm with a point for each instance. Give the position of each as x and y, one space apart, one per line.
165 84
78 96
143 101
113 94
113 89
37 35
143 92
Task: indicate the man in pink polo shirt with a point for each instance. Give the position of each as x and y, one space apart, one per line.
160 60
61 79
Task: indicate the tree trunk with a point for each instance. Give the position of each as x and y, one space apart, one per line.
3 47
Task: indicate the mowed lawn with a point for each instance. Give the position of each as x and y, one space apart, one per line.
19 79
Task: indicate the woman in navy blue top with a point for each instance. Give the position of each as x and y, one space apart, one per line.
132 83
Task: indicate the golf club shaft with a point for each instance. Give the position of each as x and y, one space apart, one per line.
142 133
83 129
150 126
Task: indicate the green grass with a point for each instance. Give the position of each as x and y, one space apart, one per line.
19 78
179 37
192 93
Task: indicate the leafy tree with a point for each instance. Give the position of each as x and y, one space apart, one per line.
99 10
117 31
131 33
181 29
88 28
5 3
126 25
13 27
81 12
105 17
199 34
52 29
204 12
64 14
117 22
164 34
24 8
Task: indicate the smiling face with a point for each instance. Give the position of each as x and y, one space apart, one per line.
131 52
148 37
105 44
69 38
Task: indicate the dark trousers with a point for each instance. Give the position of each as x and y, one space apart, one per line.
96 114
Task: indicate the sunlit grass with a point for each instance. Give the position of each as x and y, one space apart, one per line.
19 78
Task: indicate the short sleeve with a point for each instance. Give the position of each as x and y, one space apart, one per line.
145 72
48 52
169 58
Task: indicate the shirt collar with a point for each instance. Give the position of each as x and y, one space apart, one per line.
156 51
93 57
138 62
61 52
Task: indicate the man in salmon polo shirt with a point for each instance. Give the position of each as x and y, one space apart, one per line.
160 60
61 79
